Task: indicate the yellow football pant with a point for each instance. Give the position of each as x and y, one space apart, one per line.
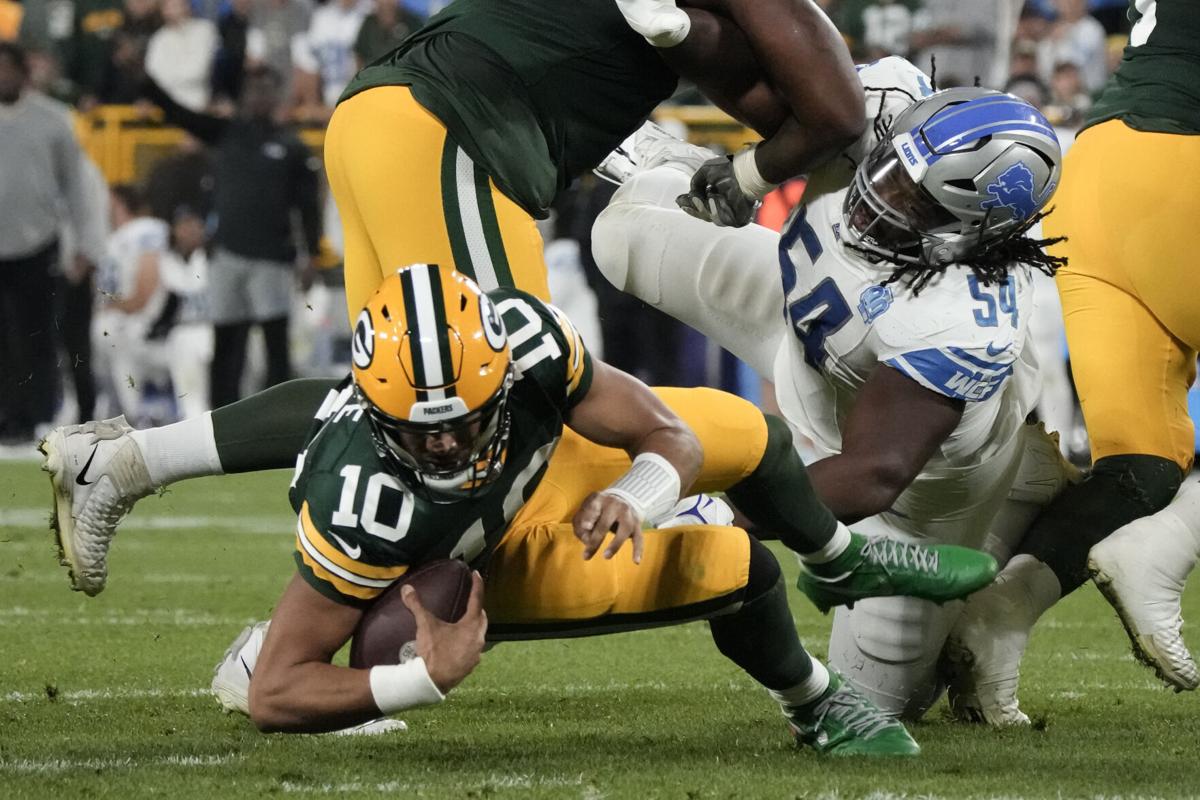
537 581
407 193
1131 292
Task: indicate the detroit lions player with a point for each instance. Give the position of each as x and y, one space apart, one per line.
896 338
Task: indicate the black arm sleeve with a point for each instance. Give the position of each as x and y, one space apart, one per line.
205 127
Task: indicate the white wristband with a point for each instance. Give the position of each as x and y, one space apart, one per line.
651 486
749 179
396 687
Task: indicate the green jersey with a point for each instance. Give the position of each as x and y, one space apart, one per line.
1157 85
360 528
536 92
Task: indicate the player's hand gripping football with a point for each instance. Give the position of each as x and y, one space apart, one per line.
716 197
602 513
451 650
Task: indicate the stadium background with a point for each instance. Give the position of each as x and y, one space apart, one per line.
107 696
92 54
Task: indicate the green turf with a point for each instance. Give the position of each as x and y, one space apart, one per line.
102 697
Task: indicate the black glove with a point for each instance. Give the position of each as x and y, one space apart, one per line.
716 197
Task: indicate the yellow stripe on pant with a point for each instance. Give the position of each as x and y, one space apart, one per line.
537 581
408 194
1131 290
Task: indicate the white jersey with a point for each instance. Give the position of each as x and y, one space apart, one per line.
116 274
957 337
327 47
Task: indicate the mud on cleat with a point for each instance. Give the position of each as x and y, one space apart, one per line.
97 472
883 567
1141 569
843 722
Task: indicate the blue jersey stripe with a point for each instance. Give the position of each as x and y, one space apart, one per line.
935 370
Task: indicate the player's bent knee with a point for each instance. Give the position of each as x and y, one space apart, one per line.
611 244
889 648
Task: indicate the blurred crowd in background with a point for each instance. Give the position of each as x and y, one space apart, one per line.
216 271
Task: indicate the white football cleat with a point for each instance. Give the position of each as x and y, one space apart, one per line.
650 146
231 682
983 657
984 649
1140 569
98 473
231 676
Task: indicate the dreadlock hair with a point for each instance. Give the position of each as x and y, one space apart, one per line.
990 265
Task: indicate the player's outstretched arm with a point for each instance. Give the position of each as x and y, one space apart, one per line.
296 689
895 426
621 411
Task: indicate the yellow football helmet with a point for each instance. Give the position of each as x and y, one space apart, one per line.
433 371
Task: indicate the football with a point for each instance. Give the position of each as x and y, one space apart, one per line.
442 586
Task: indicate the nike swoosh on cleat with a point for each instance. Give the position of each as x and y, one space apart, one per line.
245 666
79 479
353 552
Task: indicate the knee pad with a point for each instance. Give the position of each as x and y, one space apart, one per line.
888 647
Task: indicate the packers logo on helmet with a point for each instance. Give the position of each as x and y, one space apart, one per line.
362 346
433 372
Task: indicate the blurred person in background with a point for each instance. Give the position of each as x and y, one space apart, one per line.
88 51
1075 37
74 295
39 175
382 30
129 298
1069 97
960 35
184 328
273 26
887 27
127 53
180 55
263 174
186 177
323 56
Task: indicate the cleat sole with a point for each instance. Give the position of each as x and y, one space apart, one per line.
1104 583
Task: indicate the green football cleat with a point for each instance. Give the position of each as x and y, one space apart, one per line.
882 567
844 723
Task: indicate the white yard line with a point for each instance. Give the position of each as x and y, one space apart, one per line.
492 782
279 524
20 615
39 767
77 696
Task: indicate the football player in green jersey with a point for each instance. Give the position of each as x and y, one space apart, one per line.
447 149
476 426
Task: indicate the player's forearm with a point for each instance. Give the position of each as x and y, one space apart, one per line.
679 446
856 487
311 698
807 62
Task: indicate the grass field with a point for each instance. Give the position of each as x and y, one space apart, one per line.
106 696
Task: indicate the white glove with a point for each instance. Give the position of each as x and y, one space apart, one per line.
660 22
